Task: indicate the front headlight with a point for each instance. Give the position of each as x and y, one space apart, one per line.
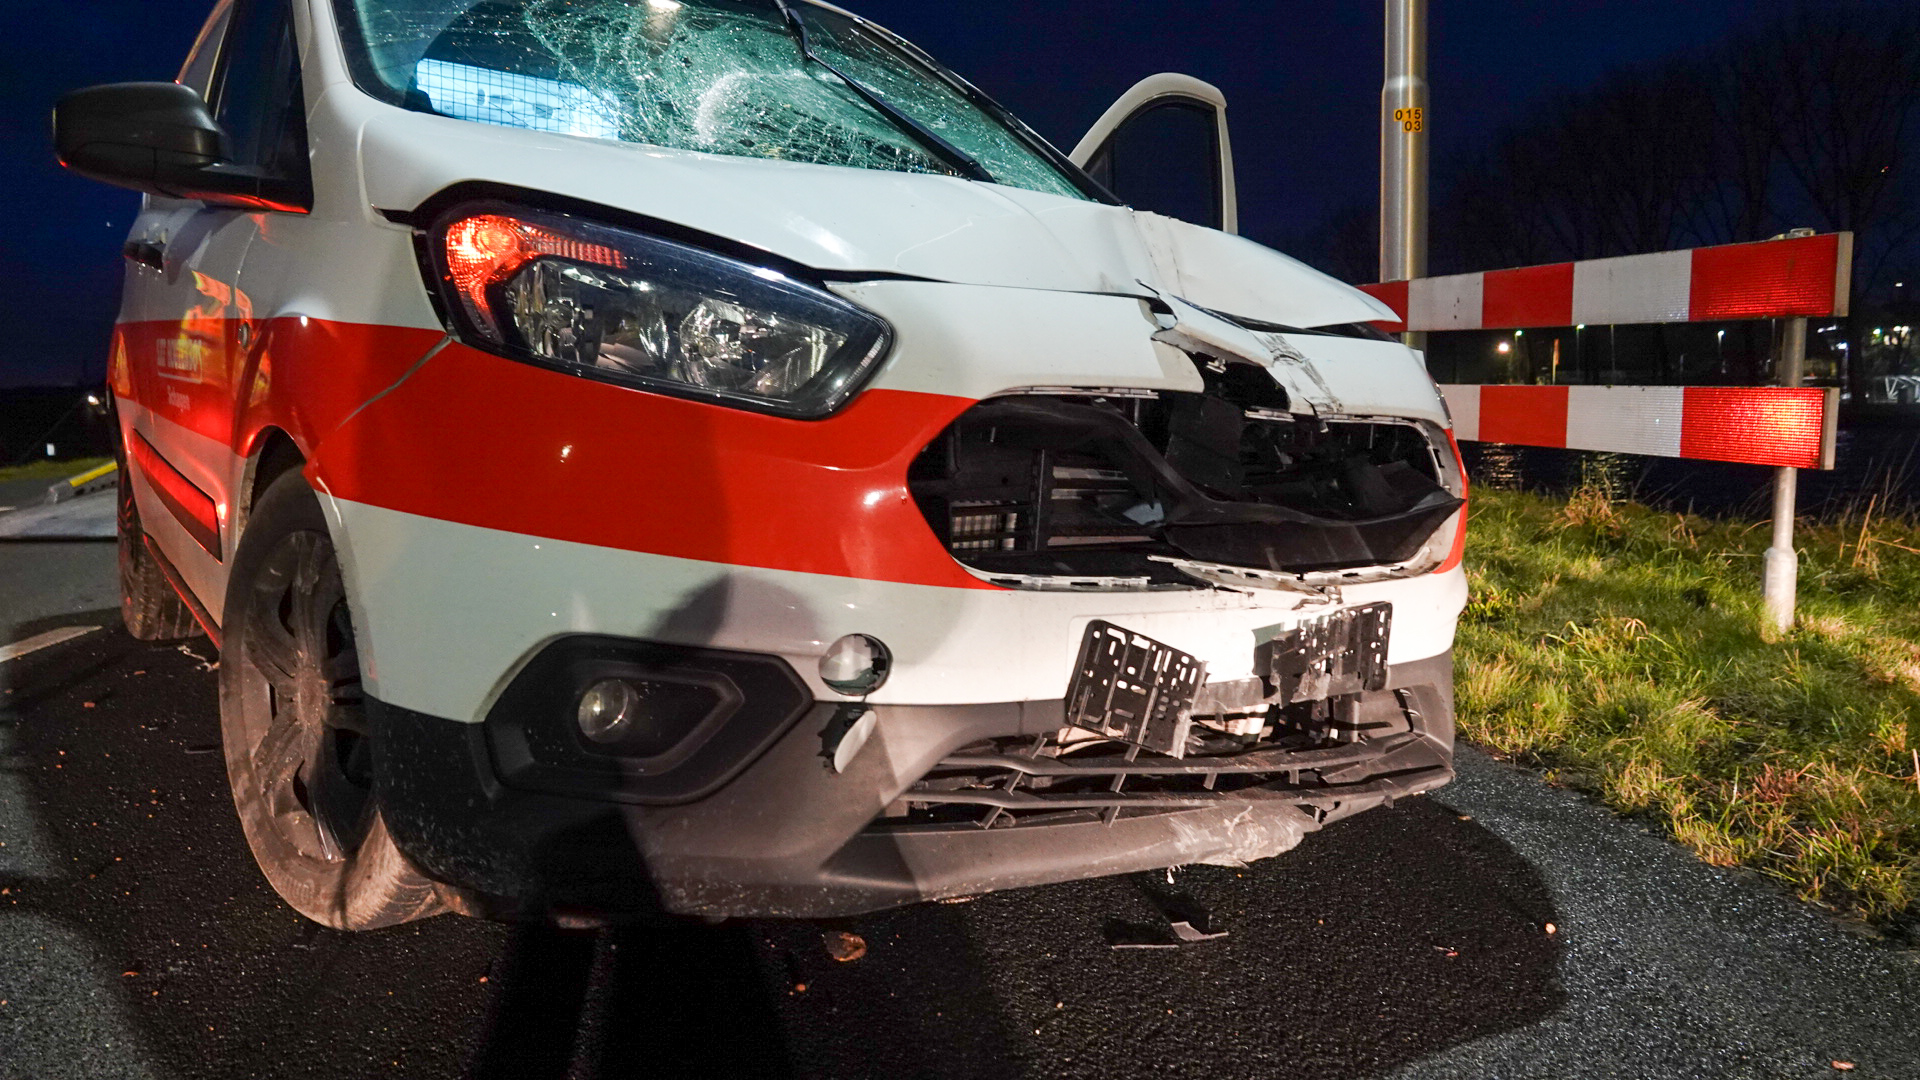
625 307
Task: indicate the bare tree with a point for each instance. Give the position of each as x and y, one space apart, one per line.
1846 91
1609 171
1345 242
1743 150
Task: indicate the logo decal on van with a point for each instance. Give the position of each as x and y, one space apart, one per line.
182 358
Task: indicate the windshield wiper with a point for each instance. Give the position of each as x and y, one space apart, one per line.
959 160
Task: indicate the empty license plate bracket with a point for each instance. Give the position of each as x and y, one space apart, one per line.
1130 687
1333 656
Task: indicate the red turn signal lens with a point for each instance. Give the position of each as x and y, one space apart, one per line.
486 249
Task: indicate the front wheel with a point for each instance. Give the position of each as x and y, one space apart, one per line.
293 721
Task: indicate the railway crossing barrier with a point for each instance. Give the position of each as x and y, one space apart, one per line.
1790 427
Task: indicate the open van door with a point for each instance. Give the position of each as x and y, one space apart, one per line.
1163 147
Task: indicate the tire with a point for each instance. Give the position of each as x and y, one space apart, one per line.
148 604
293 723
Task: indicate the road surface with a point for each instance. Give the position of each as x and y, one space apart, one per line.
138 940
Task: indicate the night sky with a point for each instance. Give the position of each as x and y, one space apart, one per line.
1302 81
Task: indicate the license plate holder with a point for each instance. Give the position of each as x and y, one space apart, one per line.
1130 687
1335 655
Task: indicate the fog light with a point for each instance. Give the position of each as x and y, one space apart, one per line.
606 710
639 721
856 665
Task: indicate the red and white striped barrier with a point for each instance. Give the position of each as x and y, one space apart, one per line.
1757 425
1772 279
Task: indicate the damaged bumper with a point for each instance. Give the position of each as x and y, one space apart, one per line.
943 801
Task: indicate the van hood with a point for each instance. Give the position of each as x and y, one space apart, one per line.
846 221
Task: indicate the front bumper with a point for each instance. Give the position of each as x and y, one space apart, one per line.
789 837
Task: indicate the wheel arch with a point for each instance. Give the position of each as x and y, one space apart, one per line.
273 453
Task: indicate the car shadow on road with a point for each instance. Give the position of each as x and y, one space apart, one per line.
658 1000
1382 940
1379 941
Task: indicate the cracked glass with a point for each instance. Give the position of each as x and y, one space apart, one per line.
709 75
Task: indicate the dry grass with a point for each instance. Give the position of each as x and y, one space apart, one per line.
1622 649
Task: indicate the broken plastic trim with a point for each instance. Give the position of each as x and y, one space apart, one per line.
1246 577
1363 330
1318 755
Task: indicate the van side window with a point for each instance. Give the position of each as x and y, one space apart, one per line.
259 102
1165 158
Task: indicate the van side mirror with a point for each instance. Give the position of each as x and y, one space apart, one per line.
147 136
159 138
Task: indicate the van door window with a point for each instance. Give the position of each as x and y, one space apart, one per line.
1165 159
259 102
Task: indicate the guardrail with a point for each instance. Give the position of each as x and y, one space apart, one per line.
1791 277
1782 426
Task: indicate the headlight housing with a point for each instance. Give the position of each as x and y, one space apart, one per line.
625 307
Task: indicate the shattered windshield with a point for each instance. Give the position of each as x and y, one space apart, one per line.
718 76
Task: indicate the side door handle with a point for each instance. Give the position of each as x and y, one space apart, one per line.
148 253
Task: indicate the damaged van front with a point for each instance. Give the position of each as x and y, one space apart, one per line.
761 476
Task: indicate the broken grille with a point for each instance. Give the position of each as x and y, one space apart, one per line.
984 526
1061 484
992 499
1318 755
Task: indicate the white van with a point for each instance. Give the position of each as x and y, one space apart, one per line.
704 457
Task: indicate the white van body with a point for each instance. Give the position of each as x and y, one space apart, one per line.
886 659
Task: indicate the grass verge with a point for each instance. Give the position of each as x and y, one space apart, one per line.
50 470
1621 649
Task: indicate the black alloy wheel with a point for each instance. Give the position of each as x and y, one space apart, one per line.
294 722
305 719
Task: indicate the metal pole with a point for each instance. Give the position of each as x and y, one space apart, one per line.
1781 576
1403 147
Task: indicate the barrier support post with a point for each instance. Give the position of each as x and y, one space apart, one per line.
1780 578
1403 149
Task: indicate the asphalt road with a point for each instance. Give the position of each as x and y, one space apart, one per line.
49 579
138 940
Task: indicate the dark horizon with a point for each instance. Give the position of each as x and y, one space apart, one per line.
1302 84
